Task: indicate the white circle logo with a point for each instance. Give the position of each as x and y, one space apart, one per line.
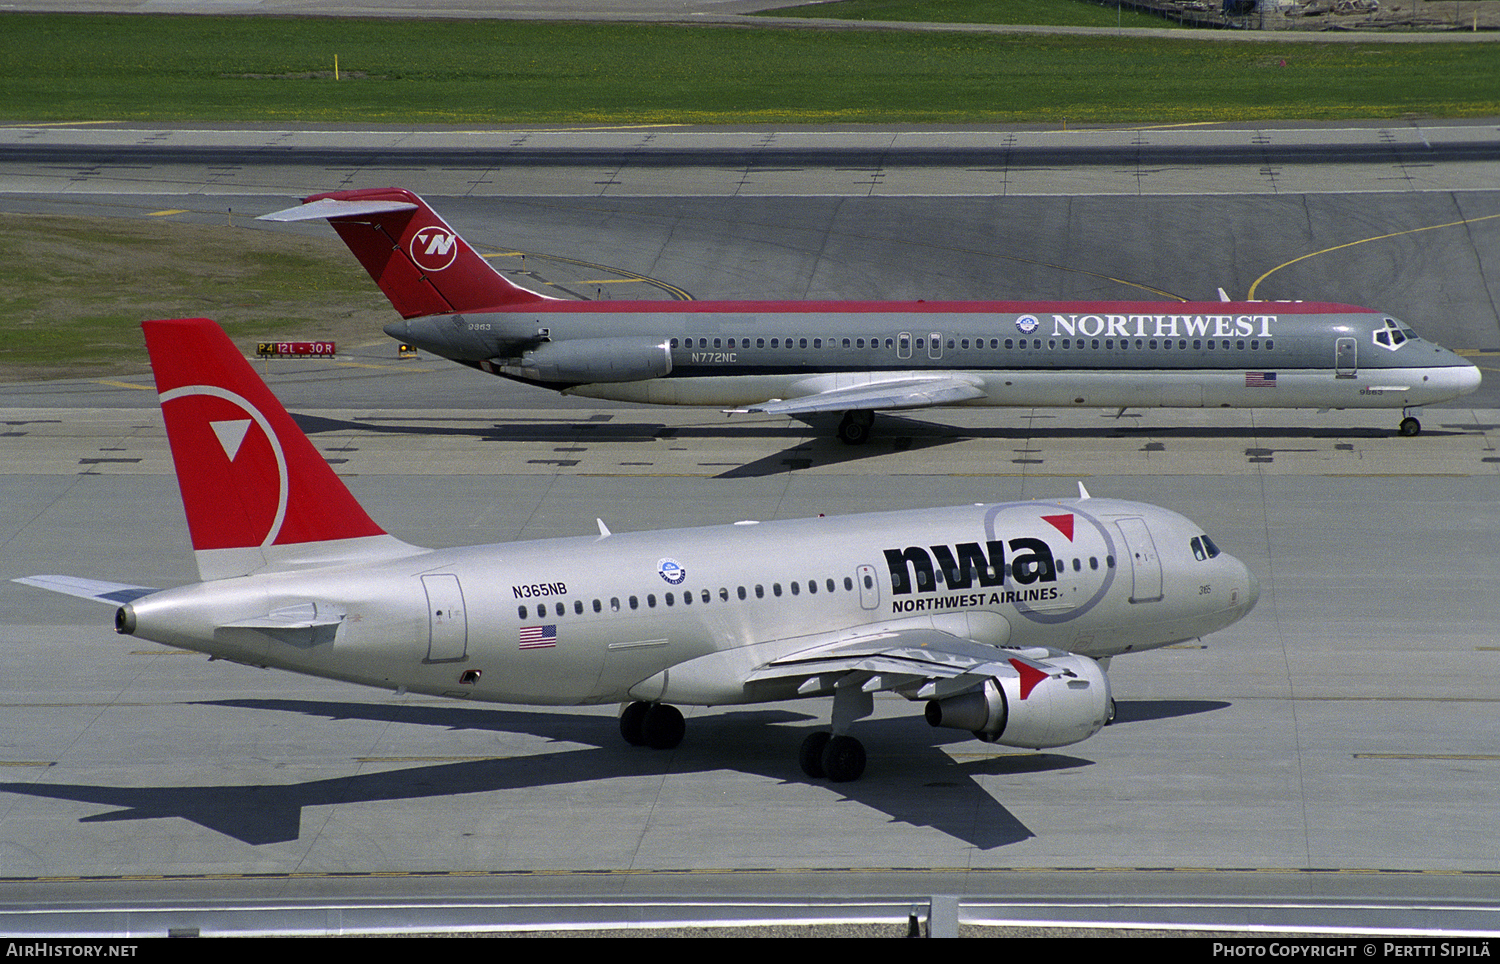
1026 324
434 247
230 434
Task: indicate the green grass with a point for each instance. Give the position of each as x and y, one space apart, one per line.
73 290
1054 13
234 69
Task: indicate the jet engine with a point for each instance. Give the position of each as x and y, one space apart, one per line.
592 360
1070 703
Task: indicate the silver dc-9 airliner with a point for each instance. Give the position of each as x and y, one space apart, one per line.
857 357
1000 618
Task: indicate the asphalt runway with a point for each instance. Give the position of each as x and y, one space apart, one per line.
1330 761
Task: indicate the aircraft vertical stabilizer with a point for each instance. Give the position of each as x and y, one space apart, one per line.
257 494
419 262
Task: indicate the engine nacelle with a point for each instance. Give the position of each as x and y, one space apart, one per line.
1069 705
588 360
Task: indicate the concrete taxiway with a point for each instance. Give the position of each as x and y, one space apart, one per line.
1336 747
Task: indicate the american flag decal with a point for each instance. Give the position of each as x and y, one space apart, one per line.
1260 379
538 637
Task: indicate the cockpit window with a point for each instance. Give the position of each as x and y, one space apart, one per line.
1391 336
1203 548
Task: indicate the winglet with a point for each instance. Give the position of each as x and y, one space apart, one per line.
257 493
419 262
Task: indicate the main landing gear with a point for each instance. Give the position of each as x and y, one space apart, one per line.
837 755
839 758
656 725
855 427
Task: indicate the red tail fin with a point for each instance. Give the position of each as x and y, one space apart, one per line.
421 264
256 491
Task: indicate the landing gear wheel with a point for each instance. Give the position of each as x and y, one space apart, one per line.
633 723
855 427
663 726
844 759
1110 717
811 754
1410 427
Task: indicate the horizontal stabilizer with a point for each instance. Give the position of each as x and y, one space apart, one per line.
110 593
329 208
306 625
905 393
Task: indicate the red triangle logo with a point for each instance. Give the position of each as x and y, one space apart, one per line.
1062 523
1030 676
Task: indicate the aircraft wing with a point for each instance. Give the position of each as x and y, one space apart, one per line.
917 663
111 593
903 393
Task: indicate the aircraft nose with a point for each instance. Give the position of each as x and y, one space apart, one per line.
1458 379
1469 378
1252 588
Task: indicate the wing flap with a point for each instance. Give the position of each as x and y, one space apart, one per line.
912 657
917 662
903 393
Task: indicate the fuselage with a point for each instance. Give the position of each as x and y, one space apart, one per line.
1130 354
683 616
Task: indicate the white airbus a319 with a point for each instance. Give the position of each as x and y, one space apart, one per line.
1000 618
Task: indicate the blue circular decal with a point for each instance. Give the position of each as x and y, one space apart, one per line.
669 570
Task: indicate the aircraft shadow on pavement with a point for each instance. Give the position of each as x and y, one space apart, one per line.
800 451
813 445
1144 711
911 779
